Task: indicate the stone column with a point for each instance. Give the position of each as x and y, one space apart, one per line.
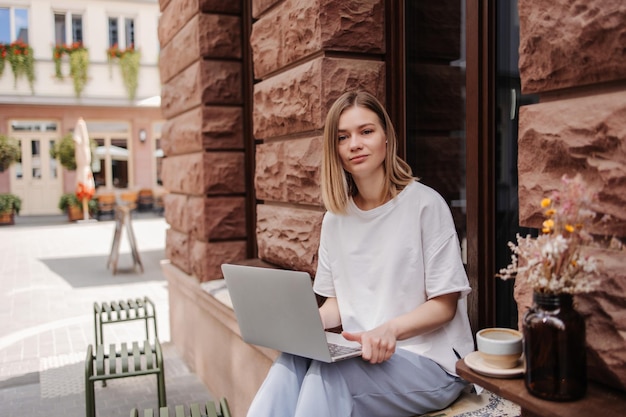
204 172
572 55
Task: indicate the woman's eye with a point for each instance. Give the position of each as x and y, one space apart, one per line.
341 137
367 131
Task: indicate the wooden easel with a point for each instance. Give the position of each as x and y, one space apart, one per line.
123 218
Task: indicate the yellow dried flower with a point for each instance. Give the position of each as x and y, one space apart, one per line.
550 212
569 228
546 202
548 225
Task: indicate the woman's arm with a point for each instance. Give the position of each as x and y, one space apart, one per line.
329 312
380 343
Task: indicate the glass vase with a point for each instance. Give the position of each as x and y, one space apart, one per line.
554 347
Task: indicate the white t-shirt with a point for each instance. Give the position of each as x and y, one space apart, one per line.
384 262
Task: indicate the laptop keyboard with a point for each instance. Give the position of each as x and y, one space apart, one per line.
336 350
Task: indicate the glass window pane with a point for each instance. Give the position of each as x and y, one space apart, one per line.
107 127
5 25
35 146
59 29
53 162
21 25
113 34
77 28
18 165
435 106
129 31
119 171
33 126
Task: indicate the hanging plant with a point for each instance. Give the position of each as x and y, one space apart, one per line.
9 151
3 57
65 151
79 63
22 61
57 54
129 60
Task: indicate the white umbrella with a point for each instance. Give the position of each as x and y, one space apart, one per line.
116 152
85 185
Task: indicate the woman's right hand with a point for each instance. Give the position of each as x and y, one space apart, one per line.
377 344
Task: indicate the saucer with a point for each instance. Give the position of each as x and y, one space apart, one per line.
477 364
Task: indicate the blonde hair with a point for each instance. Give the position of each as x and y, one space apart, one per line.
337 184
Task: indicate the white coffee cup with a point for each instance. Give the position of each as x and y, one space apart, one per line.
500 347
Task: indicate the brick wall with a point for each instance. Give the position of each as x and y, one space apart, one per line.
573 55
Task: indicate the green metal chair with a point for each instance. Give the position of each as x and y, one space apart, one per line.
144 357
123 363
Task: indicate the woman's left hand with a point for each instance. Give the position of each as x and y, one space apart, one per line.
377 344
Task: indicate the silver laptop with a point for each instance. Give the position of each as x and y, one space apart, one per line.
277 308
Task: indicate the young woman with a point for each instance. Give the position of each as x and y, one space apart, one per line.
391 271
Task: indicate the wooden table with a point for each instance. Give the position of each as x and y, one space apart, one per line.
599 401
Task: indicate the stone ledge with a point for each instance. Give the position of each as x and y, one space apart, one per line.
217 289
206 333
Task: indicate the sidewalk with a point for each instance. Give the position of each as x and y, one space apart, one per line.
51 273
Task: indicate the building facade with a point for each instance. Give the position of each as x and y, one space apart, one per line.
92 59
476 89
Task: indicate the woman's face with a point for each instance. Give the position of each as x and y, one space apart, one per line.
361 142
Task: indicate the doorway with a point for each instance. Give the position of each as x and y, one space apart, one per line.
36 177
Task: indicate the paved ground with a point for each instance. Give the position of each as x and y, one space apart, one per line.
51 273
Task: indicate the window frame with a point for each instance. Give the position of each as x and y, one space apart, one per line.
122 35
68 26
12 22
480 159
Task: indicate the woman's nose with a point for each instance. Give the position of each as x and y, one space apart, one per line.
355 142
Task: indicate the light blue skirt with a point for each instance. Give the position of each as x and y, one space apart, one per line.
406 385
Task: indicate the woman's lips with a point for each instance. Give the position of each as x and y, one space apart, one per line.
358 158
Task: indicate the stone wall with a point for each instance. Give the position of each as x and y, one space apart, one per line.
303 60
305 54
572 53
201 72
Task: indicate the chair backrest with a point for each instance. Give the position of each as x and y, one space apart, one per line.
106 202
116 312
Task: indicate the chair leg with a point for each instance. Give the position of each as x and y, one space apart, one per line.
90 395
160 375
224 408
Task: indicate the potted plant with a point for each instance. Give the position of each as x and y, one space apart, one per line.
70 204
9 151
10 205
129 60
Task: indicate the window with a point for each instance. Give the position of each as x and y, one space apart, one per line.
435 122
113 33
68 28
123 39
77 28
129 31
13 24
